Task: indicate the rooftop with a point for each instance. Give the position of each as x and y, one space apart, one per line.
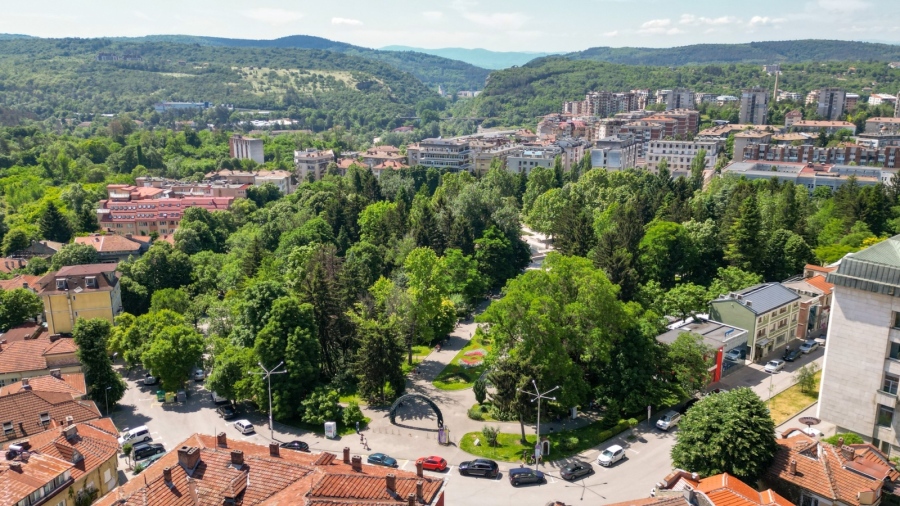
26 413
71 383
874 269
29 473
761 298
32 354
714 333
19 282
27 330
821 123
79 278
85 445
110 243
7 265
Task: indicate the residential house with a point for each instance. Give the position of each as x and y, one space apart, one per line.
34 479
768 311
57 382
815 300
80 291
88 450
311 164
681 488
861 371
217 470
38 357
113 248
811 473
719 337
43 249
26 413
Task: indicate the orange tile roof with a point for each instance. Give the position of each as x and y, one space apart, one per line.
665 500
726 490
292 478
110 243
27 330
821 469
35 471
19 282
23 411
8 265
819 268
31 354
95 445
72 384
820 283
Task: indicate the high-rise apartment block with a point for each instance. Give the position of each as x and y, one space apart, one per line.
830 103
754 106
246 148
679 98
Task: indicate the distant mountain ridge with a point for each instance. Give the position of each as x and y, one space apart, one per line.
479 57
794 51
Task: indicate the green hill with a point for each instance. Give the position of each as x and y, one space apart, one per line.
518 96
753 52
428 68
48 77
479 57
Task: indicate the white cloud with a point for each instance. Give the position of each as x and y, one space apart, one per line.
274 17
495 20
843 5
659 27
690 19
433 15
756 21
346 21
611 34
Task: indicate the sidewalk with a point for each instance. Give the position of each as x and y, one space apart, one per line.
768 385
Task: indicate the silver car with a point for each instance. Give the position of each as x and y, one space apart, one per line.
808 346
774 366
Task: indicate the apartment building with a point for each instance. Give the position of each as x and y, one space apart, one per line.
851 100
615 153
283 179
882 98
830 103
897 106
524 160
815 300
883 125
746 138
816 126
887 157
607 127
113 248
808 175
861 371
451 154
754 106
686 121
246 148
121 214
679 98
768 311
679 155
643 132
605 103
310 164
483 158
792 117
79 291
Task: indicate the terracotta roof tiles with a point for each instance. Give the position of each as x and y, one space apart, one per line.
19 282
31 354
72 384
94 445
110 243
21 413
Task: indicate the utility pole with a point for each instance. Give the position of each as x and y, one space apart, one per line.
537 395
268 376
107 400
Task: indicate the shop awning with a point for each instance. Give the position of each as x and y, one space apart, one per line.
762 342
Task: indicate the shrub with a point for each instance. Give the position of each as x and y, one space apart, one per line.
570 443
480 390
475 413
850 438
490 434
353 414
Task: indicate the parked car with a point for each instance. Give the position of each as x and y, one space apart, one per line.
687 405
153 458
433 463
136 435
244 426
380 459
199 375
668 420
226 412
791 355
296 445
217 399
144 450
774 366
809 345
576 470
611 455
479 467
150 379
733 355
521 475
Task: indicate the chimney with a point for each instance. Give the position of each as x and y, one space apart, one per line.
25 383
346 455
26 444
222 440
419 494
71 432
419 469
15 466
56 373
411 499
356 463
273 449
188 457
794 467
69 420
848 453
192 488
390 481
167 474
237 458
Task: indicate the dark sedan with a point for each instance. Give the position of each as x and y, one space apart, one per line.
791 355
299 446
576 470
479 467
226 412
380 459
524 475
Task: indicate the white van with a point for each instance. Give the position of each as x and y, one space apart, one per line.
135 435
244 426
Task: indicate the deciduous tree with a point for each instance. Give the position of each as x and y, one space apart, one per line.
102 380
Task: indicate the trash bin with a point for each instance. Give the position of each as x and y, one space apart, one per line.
170 396
181 396
161 395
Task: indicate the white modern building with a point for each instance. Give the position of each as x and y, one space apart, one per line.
679 155
246 148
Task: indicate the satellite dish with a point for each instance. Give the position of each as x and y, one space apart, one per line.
809 420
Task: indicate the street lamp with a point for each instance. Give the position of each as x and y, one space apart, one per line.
537 395
268 376
107 399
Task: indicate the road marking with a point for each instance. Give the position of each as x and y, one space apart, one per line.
635 451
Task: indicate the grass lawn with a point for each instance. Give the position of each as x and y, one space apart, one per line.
484 412
562 444
790 402
458 376
419 354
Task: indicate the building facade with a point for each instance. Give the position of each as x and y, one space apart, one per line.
451 154
679 155
830 103
80 291
246 148
887 157
754 106
311 163
809 175
615 153
769 312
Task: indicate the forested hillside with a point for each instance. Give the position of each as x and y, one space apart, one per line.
518 96
433 70
792 51
322 89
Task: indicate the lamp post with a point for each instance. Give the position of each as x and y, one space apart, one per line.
268 376
107 399
537 395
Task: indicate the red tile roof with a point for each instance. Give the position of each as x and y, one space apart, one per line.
96 445
23 410
72 384
19 282
7 265
821 469
35 470
726 490
667 500
75 276
27 330
820 283
110 243
31 354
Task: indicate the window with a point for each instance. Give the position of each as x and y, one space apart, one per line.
45 418
8 429
895 351
896 320
890 384
885 416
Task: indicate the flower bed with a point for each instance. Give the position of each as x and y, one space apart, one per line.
473 358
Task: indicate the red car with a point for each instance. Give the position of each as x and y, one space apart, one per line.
433 463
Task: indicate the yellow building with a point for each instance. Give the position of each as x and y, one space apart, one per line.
79 291
57 465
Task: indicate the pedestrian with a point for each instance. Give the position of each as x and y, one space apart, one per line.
357 427
360 439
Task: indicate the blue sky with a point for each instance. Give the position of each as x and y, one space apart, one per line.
502 25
